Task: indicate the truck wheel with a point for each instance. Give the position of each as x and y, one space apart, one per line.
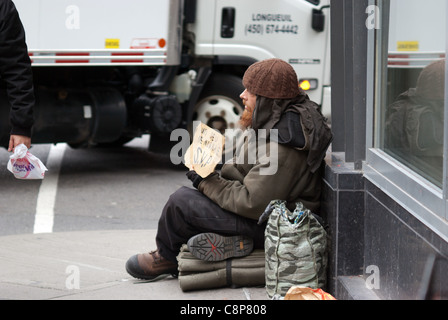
220 106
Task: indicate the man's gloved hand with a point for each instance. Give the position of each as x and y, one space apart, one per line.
194 177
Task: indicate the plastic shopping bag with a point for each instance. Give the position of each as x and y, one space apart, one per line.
24 165
304 293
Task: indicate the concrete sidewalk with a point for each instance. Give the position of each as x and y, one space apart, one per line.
90 265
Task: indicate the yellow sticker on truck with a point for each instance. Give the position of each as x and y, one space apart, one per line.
408 45
112 44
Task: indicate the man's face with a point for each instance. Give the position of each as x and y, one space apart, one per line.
249 101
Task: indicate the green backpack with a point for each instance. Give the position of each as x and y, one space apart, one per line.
295 249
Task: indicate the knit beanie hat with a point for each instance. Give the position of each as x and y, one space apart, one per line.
272 78
431 82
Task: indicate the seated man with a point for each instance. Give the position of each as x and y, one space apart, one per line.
225 208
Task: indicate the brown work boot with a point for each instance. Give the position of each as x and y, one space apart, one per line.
150 265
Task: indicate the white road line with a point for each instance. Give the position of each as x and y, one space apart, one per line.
46 198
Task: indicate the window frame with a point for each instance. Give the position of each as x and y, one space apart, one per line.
424 200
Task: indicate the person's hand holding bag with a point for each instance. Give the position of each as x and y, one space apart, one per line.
24 165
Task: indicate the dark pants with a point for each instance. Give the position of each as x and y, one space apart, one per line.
188 212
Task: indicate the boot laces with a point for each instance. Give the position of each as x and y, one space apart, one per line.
156 257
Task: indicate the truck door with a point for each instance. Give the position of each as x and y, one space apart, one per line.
261 29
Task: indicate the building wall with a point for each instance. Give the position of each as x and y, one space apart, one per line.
378 249
401 246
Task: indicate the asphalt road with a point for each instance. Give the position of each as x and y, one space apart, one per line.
96 189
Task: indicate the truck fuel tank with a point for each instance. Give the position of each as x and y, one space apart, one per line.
72 115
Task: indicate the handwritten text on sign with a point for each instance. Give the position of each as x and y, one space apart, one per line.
205 152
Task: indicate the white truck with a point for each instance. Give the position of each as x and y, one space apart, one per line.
107 71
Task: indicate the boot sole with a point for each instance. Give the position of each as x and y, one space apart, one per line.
214 247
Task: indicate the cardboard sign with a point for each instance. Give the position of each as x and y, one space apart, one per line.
205 152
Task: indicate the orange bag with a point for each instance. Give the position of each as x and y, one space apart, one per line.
305 293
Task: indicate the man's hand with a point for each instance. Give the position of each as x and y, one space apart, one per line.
15 140
194 177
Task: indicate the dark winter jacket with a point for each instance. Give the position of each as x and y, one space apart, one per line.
15 69
242 189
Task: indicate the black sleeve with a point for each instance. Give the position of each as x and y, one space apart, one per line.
15 69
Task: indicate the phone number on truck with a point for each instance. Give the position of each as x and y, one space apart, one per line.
271 29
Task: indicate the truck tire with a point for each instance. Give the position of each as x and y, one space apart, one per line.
219 105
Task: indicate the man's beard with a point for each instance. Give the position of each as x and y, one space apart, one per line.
246 118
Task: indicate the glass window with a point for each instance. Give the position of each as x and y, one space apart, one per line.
406 153
412 112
